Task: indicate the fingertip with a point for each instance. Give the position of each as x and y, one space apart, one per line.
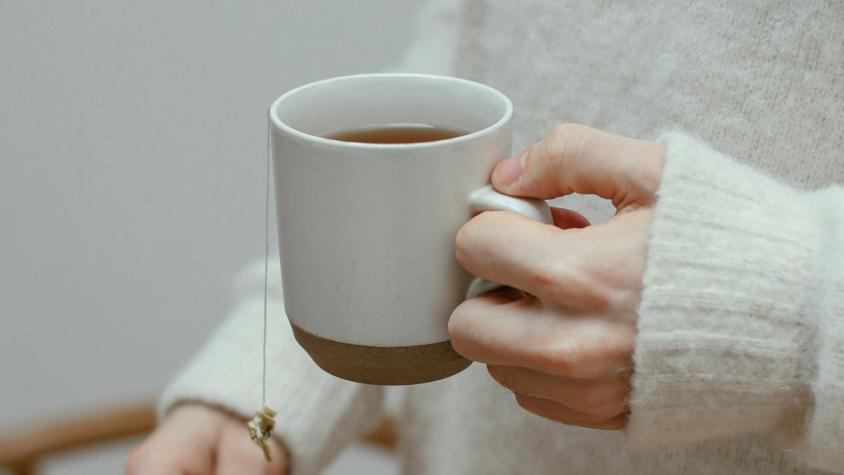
568 219
509 171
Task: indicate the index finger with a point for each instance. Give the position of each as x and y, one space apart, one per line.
537 258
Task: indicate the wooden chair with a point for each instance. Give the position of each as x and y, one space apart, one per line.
22 450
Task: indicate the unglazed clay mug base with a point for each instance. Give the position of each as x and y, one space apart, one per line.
366 231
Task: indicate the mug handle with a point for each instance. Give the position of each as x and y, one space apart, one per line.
487 199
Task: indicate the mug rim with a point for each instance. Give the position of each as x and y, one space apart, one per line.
281 125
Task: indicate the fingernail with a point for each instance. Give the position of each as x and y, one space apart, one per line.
510 170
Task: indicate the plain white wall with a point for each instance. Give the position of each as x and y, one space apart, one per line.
132 148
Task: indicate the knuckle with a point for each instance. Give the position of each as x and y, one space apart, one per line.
545 275
569 281
590 357
591 291
572 360
564 140
554 360
550 278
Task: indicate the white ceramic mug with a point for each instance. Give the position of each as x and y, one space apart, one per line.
366 231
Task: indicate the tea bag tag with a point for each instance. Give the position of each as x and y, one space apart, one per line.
260 429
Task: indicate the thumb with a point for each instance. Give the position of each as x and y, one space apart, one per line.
574 158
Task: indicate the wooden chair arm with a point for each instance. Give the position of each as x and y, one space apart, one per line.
21 450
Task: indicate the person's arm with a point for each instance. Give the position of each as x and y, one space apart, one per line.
715 292
741 325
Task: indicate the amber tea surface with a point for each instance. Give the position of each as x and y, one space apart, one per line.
399 133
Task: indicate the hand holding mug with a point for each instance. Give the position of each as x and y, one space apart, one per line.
566 348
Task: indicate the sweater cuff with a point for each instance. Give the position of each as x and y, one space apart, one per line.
318 414
727 336
822 445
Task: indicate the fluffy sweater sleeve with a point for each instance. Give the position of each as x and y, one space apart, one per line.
741 325
317 413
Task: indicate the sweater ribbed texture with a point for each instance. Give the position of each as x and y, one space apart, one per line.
735 316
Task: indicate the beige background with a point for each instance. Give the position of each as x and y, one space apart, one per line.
132 140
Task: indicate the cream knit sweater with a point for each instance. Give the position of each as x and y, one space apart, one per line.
740 352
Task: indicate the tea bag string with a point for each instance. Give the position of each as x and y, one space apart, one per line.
261 426
266 273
